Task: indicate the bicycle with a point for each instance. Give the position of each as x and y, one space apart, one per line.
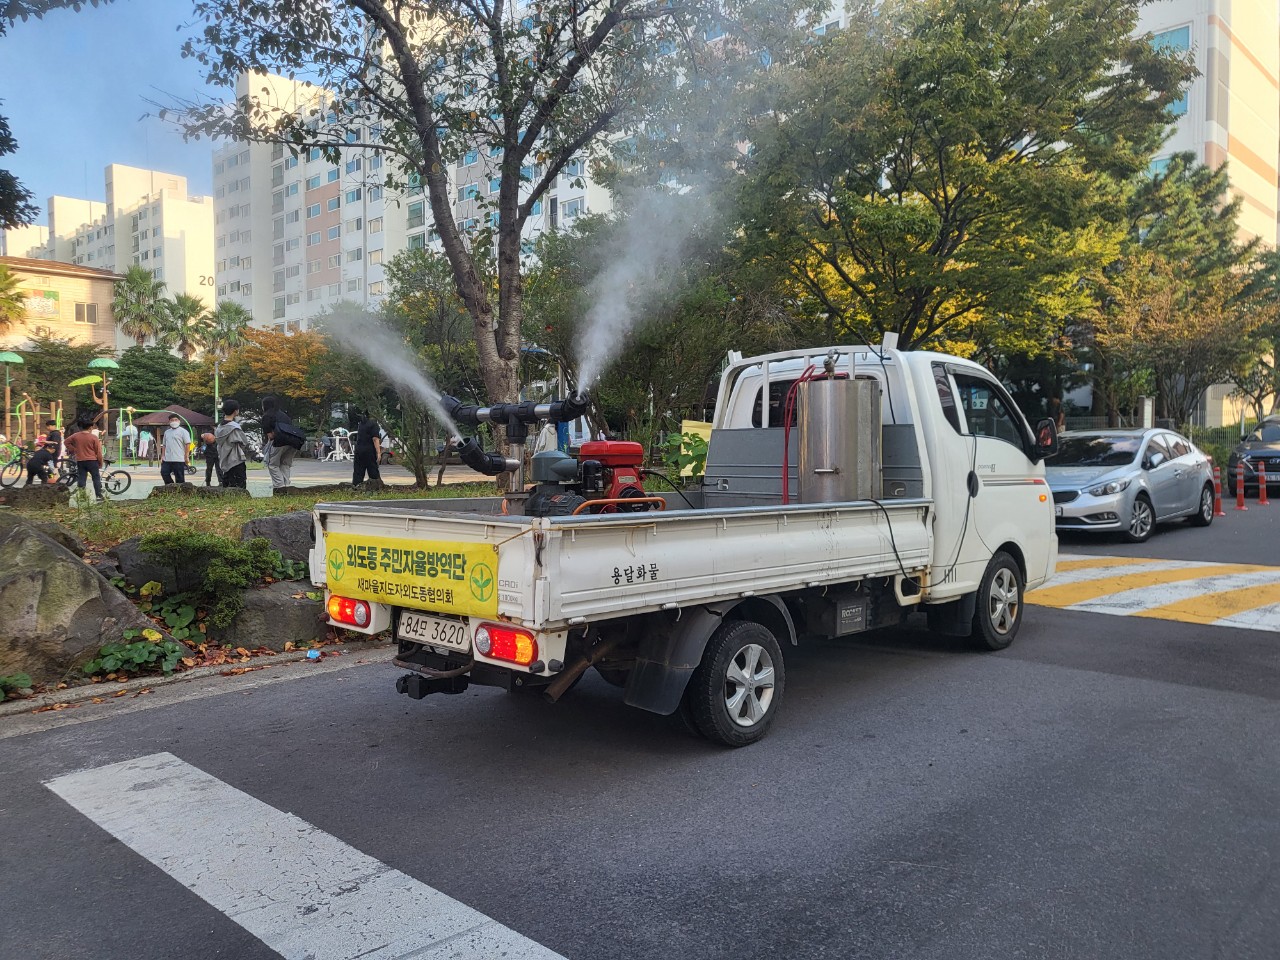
15 466
114 482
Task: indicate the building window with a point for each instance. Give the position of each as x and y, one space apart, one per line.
375 163
335 289
354 165
313 154
334 233
416 242
355 255
291 190
417 214
293 271
313 183
334 174
313 210
574 168
235 286
536 208
375 288
375 193
356 225
1177 40
333 204
375 225
352 196
277 309
222 289
468 191
470 157
293 244
313 266
246 262
495 184
573 208
313 239
86 313
375 256
313 295
354 284
334 261
290 161
495 151
293 216
292 298
353 136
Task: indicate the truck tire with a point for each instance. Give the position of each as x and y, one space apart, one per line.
999 613
736 691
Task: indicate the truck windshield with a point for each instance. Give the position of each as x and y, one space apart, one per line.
1266 433
1086 451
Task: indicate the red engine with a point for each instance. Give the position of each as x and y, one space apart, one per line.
610 469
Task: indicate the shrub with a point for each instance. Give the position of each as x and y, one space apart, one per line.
137 655
229 567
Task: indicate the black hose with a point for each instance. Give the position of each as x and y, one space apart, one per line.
667 480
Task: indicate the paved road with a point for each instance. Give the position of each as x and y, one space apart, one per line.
1107 787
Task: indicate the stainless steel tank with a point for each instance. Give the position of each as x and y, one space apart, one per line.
838 422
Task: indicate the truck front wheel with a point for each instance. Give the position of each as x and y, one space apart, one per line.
999 610
734 694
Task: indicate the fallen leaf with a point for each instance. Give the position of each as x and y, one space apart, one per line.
288 645
111 676
188 661
62 686
242 651
98 700
120 693
122 679
142 691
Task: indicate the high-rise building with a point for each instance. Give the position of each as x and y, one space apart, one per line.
295 234
148 218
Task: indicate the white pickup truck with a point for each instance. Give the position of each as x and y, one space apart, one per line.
690 608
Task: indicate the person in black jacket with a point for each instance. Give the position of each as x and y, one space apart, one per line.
279 456
367 450
211 461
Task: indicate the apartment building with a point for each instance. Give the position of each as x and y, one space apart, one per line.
296 234
148 218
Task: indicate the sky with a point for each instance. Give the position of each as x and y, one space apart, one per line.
74 87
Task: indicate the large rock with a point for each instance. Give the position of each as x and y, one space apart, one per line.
138 568
320 488
60 535
273 616
55 610
183 489
219 492
293 534
39 495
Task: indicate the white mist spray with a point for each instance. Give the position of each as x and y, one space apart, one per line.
365 335
650 243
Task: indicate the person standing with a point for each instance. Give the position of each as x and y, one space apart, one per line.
144 444
131 440
211 464
232 446
53 438
279 453
367 450
86 449
176 453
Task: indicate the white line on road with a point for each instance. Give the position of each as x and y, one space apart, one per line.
304 893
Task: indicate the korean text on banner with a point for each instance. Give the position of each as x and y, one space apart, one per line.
459 578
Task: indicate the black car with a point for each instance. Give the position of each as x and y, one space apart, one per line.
1262 447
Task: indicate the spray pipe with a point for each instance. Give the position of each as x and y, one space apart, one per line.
481 461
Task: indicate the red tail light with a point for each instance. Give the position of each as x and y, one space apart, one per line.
354 613
506 643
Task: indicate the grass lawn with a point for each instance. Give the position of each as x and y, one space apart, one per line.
102 525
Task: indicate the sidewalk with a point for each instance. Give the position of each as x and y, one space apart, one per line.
306 473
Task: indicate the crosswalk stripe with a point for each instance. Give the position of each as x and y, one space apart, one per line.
302 892
1092 563
1143 599
1096 575
1069 594
1219 605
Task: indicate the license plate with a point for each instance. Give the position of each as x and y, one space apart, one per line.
1057 511
433 631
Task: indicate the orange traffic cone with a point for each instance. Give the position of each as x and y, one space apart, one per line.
1217 493
1262 484
1240 486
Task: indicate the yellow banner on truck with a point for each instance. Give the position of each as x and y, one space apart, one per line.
459 578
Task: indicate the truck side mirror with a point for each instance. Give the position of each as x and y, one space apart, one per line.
1046 438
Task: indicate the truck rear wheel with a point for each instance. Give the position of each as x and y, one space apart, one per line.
734 694
999 613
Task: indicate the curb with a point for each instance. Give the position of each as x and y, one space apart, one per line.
107 689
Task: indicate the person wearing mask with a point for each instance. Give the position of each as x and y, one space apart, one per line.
367 450
232 446
85 448
176 453
279 453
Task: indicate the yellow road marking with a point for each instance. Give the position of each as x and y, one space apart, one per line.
1071 593
1088 563
1217 606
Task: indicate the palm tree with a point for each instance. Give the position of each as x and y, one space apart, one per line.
186 326
13 306
228 324
139 304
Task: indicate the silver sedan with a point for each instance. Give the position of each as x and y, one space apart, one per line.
1127 481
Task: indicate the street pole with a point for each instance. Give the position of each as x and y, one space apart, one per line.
217 393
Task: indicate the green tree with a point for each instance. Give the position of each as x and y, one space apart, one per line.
439 78
13 305
186 326
146 378
139 305
929 167
228 324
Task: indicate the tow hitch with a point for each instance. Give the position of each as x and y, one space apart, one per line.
417 686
